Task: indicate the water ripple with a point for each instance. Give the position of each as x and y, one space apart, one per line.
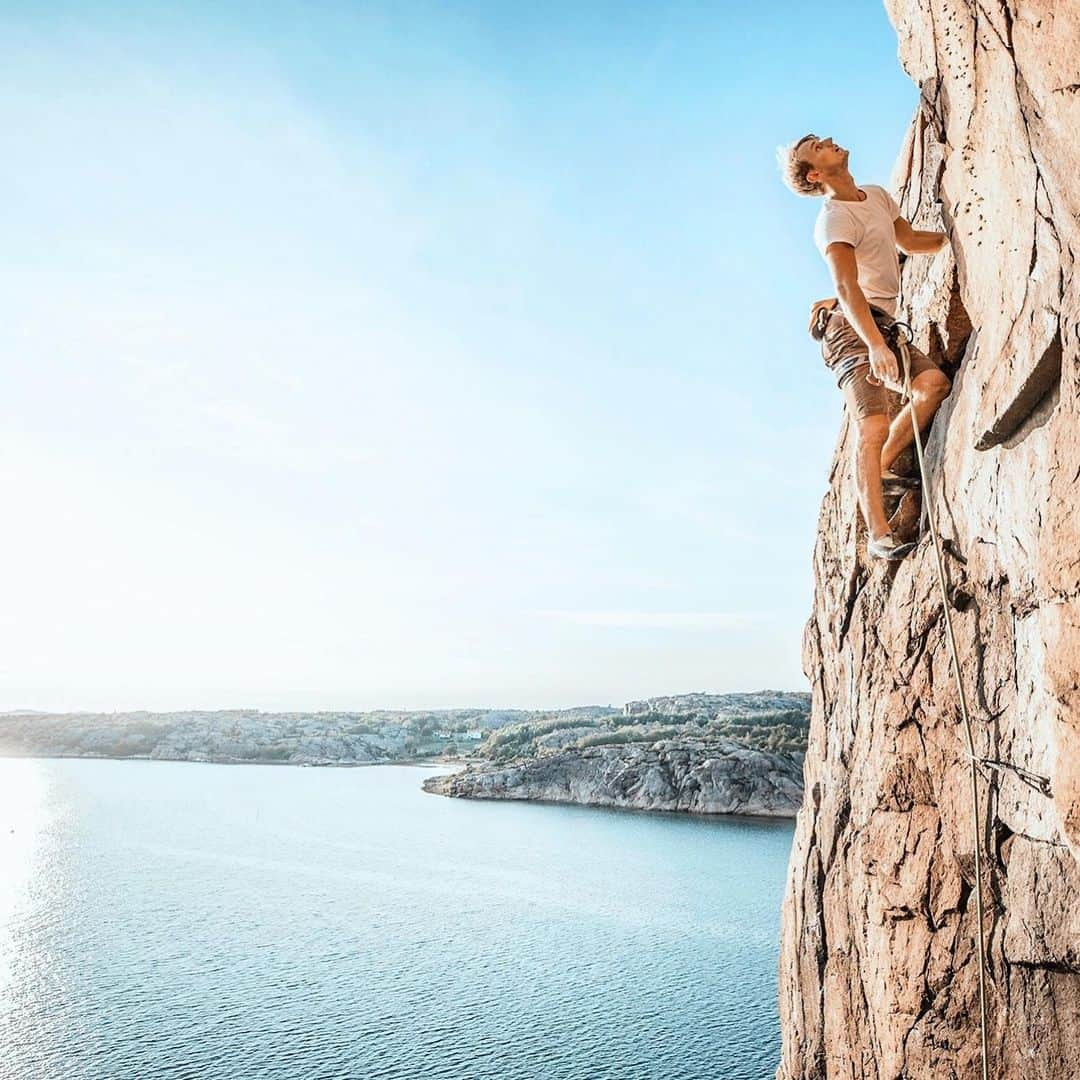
176 920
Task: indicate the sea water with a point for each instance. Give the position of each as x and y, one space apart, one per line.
163 919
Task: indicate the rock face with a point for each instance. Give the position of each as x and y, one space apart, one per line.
706 777
878 970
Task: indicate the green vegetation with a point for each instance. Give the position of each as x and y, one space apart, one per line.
782 731
276 752
519 740
629 735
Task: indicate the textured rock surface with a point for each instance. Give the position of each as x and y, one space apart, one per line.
706 777
878 971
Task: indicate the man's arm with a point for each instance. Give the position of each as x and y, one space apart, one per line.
917 241
845 272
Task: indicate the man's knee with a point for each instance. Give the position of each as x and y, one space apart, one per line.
932 386
872 430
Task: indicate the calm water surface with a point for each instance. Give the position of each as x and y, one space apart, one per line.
177 920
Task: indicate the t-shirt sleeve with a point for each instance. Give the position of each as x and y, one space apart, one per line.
894 208
835 227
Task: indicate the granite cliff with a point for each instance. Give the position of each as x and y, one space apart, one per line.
705 776
878 971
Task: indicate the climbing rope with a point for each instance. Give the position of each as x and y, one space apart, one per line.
972 759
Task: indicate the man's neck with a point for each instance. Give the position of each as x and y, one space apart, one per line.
843 188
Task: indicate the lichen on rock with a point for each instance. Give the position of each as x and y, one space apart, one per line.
878 972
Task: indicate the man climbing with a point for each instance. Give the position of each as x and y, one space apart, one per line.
858 231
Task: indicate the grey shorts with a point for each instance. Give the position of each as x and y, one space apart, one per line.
846 355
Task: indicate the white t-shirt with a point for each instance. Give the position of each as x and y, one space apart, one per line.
868 227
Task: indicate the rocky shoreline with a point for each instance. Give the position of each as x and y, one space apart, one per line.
735 753
704 776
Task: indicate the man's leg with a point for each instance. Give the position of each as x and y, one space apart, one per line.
928 390
870 435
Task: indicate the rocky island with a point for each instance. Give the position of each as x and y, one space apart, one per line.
724 754
700 776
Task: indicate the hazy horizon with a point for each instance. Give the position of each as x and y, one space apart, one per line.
405 709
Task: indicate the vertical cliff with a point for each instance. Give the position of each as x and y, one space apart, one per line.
878 966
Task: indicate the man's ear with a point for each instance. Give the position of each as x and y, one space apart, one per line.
813 176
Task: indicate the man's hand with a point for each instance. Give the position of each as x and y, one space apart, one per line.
819 305
884 365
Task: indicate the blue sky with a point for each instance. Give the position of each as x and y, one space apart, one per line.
414 355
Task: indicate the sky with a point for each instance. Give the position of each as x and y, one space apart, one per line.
416 355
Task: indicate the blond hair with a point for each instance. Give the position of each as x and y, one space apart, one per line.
793 170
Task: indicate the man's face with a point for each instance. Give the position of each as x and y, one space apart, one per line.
822 154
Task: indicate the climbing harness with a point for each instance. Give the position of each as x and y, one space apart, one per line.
903 338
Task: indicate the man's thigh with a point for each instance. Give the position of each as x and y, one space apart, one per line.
862 398
841 346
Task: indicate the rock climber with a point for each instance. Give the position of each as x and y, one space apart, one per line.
858 231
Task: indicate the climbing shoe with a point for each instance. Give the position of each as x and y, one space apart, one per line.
888 547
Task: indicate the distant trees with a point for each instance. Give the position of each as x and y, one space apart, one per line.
272 752
775 730
629 735
422 726
519 740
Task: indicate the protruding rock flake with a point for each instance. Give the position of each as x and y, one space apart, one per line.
879 969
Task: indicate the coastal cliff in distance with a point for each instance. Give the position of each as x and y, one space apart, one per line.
690 775
712 753
695 753
878 970
249 736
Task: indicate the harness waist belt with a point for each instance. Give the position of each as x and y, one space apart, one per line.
845 368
